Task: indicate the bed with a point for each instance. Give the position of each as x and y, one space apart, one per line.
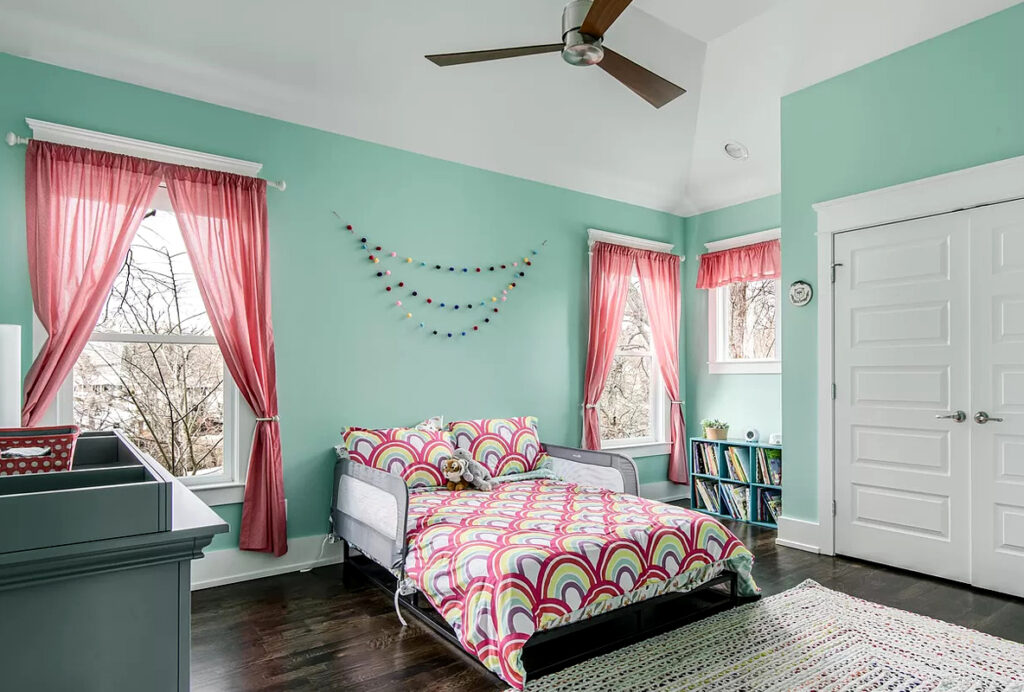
568 554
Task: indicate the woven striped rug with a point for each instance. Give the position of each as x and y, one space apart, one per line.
807 638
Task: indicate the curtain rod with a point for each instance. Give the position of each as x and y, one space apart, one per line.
14 140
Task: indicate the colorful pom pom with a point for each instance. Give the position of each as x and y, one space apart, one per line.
503 299
494 299
475 327
463 333
378 248
495 309
394 254
478 270
408 260
398 303
408 315
515 264
362 240
430 300
415 293
387 288
387 272
349 227
421 325
401 284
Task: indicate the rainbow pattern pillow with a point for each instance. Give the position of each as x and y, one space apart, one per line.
413 454
503 445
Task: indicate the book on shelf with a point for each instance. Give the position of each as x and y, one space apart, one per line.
705 458
708 493
736 468
771 501
737 497
769 466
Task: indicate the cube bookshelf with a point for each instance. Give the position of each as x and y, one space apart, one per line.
730 476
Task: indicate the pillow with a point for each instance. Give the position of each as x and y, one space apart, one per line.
503 445
414 455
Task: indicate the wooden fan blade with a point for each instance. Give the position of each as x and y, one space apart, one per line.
656 90
446 59
602 15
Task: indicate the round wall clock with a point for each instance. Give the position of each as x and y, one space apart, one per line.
800 293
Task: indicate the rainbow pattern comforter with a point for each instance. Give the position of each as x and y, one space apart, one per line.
532 555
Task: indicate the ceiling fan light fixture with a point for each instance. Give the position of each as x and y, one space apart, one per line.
580 49
735 150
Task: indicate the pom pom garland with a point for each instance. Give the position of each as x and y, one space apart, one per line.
376 252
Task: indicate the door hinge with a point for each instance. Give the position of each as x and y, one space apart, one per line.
833 507
833 391
834 265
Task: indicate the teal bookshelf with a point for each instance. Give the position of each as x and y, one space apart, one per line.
736 479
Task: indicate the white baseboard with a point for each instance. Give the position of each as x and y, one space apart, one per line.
800 534
664 491
220 567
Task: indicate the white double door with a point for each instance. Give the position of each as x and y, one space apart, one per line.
929 323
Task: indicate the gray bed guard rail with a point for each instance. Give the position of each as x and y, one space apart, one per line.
373 535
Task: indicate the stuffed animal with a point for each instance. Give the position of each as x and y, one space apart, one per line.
477 474
455 471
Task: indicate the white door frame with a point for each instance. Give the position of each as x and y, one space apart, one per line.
991 183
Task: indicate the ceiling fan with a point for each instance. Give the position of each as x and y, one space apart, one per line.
584 23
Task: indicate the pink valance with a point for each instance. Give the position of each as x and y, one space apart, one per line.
747 263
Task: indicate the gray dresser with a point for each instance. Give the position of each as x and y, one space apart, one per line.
95 573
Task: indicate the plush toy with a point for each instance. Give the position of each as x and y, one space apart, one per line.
479 476
455 471
462 471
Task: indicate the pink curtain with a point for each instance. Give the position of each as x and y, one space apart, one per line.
82 209
610 269
659 285
223 218
747 263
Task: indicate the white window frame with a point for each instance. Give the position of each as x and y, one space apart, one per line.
227 487
718 300
660 442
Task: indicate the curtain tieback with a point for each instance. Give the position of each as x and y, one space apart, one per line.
681 403
271 419
589 406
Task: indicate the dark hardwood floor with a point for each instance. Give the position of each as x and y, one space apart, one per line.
311 632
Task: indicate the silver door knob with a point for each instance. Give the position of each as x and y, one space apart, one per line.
982 418
959 416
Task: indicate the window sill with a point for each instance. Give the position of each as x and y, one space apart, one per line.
645 449
219 494
762 367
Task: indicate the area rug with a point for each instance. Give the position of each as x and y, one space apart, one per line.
807 638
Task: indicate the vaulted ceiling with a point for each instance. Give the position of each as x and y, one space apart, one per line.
357 68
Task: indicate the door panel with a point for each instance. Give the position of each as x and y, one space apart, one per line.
997 448
901 345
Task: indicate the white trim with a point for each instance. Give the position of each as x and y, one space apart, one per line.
744 240
664 491
220 567
745 367
800 534
639 449
597 236
101 141
990 183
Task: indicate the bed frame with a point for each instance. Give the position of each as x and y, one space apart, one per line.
381 541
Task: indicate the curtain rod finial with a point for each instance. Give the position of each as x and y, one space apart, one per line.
279 184
13 139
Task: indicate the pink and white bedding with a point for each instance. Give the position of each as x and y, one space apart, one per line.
535 554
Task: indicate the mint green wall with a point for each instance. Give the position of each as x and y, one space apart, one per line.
949 103
742 400
344 357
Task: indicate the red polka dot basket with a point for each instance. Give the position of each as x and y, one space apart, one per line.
37 450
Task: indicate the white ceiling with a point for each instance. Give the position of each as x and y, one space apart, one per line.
356 68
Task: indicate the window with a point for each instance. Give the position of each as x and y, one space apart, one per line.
744 333
152 368
633 408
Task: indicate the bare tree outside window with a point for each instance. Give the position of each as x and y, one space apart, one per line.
625 407
152 367
751 320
